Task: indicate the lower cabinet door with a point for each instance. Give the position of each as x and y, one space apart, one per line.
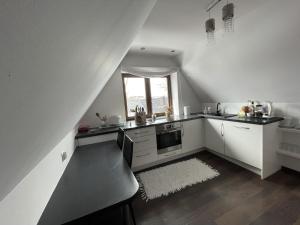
243 142
192 135
214 135
143 157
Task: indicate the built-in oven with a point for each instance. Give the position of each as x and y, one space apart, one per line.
168 137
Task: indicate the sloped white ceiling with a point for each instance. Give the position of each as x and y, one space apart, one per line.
260 60
56 56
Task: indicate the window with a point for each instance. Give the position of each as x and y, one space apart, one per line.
154 94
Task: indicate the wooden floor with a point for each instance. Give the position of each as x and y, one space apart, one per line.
236 197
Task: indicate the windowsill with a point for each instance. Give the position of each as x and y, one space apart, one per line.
148 118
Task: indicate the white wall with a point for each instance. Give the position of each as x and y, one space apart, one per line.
26 202
110 101
260 60
56 56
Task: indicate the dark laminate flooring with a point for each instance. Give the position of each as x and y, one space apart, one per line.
236 197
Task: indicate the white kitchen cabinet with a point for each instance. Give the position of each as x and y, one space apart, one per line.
214 135
243 142
144 146
192 135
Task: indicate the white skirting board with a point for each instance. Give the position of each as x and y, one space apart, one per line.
247 167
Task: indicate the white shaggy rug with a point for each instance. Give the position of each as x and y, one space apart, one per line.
174 177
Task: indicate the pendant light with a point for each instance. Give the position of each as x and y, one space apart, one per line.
210 27
227 16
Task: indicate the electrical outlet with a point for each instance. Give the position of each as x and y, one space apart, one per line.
63 156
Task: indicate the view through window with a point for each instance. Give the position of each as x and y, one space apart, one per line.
153 94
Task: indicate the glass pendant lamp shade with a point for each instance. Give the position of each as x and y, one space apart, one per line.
210 29
228 13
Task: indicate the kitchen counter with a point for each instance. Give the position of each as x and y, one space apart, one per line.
96 178
251 120
159 121
129 125
132 125
97 131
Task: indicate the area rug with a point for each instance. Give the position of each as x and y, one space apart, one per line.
169 179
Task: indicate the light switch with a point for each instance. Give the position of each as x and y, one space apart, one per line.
63 156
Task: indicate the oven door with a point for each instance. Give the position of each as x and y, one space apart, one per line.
169 140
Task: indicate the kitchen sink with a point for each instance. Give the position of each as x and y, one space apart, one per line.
220 115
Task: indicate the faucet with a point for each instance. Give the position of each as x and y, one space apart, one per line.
218 110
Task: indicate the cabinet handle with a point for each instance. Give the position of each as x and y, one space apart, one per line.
245 128
139 156
182 129
222 129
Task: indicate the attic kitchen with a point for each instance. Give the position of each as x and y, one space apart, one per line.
161 139
150 112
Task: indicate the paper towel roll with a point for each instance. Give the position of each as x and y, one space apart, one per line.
187 110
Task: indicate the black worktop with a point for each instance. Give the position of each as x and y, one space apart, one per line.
250 120
129 125
97 177
132 125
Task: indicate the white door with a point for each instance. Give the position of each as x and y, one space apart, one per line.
243 142
192 135
214 135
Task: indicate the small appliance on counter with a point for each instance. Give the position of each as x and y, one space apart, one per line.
267 109
187 110
256 109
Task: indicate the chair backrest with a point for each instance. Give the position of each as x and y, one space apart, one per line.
128 150
120 138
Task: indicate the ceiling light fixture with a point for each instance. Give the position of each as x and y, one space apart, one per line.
210 29
227 16
210 24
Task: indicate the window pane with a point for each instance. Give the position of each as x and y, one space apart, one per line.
159 93
135 93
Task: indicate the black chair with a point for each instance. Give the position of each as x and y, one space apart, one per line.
128 150
127 153
120 138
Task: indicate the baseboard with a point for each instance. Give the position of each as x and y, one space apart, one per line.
246 166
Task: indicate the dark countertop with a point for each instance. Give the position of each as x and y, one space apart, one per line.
96 178
131 124
250 120
96 132
159 121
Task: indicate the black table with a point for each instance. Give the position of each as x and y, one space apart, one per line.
97 177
